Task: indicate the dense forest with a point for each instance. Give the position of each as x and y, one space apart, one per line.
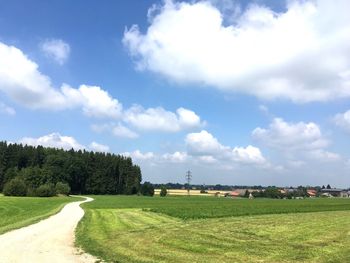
85 172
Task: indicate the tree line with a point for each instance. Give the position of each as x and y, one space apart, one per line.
83 171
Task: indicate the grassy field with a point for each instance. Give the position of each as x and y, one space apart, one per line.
16 212
195 207
125 229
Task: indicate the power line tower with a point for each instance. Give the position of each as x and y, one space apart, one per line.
188 179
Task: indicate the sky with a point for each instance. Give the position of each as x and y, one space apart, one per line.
238 92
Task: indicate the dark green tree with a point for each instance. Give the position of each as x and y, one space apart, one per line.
62 188
147 189
163 191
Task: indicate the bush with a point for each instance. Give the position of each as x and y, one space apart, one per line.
31 192
147 189
163 191
62 188
246 194
45 190
15 187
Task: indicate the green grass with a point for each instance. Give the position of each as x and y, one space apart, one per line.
16 212
210 207
124 229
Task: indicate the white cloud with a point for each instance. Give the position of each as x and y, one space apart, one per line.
56 49
151 119
161 119
139 156
300 54
321 154
54 140
203 143
291 136
97 147
205 146
121 131
176 157
188 119
118 130
204 151
207 159
250 154
343 120
7 109
21 80
295 140
95 102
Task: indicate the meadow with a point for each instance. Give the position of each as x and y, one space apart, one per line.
16 212
207 229
196 207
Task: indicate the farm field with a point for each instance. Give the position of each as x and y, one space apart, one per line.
16 212
143 229
196 207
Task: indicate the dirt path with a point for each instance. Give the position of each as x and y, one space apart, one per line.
50 240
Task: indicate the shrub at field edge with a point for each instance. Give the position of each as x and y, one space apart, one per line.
15 187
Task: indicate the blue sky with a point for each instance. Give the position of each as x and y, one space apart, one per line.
239 92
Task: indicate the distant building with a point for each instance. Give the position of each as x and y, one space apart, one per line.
234 194
335 192
311 193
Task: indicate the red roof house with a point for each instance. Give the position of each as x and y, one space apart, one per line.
234 194
311 192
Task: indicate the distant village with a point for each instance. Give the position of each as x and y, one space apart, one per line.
218 190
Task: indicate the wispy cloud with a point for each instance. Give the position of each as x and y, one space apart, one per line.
57 49
342 120
296 140
97 147
7 109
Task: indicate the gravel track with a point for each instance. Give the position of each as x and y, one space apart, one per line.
50 240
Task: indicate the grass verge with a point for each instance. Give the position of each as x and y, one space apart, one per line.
16 212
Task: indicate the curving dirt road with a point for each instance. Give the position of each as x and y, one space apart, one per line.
50 240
